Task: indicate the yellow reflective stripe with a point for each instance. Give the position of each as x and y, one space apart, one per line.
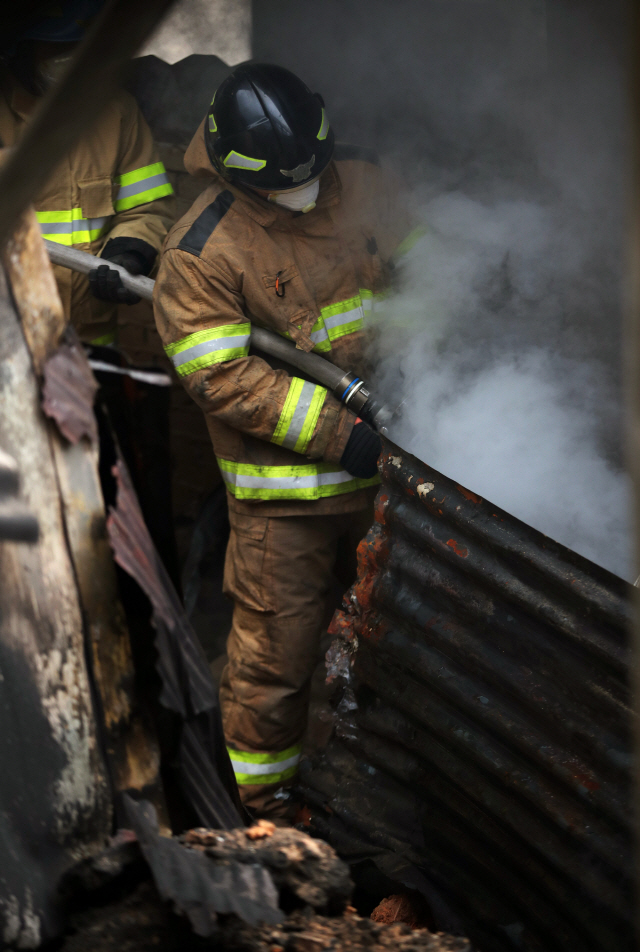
243 778
137 175
324 127
371 300
212 123
60 215
236 160
299 416
316 480
407 243
75 238
142 186
343 318
214 345
249 757
67 226
105 341
264 768
143 198
336 321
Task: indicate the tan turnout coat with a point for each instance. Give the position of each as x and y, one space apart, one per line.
91 197
278 440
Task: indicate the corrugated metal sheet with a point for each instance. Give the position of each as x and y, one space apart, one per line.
482 750
196 885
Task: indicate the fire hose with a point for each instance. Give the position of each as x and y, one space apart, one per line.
346 386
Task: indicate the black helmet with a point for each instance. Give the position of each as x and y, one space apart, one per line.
267 130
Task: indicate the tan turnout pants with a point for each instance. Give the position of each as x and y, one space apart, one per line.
278 571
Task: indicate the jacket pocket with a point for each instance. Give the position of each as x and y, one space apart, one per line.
96 197
245 569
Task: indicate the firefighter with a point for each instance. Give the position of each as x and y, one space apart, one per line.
110 196
298 237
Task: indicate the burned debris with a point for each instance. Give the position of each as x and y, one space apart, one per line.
260 889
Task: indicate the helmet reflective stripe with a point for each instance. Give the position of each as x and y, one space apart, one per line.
299 415
324 126
237 161
215 345
212 123
300 481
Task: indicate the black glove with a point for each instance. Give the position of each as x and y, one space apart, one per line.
360 457
133 254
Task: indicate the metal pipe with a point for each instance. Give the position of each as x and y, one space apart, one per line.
344 385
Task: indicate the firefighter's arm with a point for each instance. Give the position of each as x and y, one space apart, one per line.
143 199
206 334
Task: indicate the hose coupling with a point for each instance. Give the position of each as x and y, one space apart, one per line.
351 391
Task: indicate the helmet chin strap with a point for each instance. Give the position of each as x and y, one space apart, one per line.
297 199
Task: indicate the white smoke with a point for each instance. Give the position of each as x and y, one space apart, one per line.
496 397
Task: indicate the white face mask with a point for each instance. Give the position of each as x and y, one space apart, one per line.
301 199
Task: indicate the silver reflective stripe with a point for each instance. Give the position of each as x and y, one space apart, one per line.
235 160
246 481
299 415
243 767
209 347
337 320
318 336
330 479
69 227
125 191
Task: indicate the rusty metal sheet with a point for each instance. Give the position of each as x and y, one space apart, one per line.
68 391
482 749
197 886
